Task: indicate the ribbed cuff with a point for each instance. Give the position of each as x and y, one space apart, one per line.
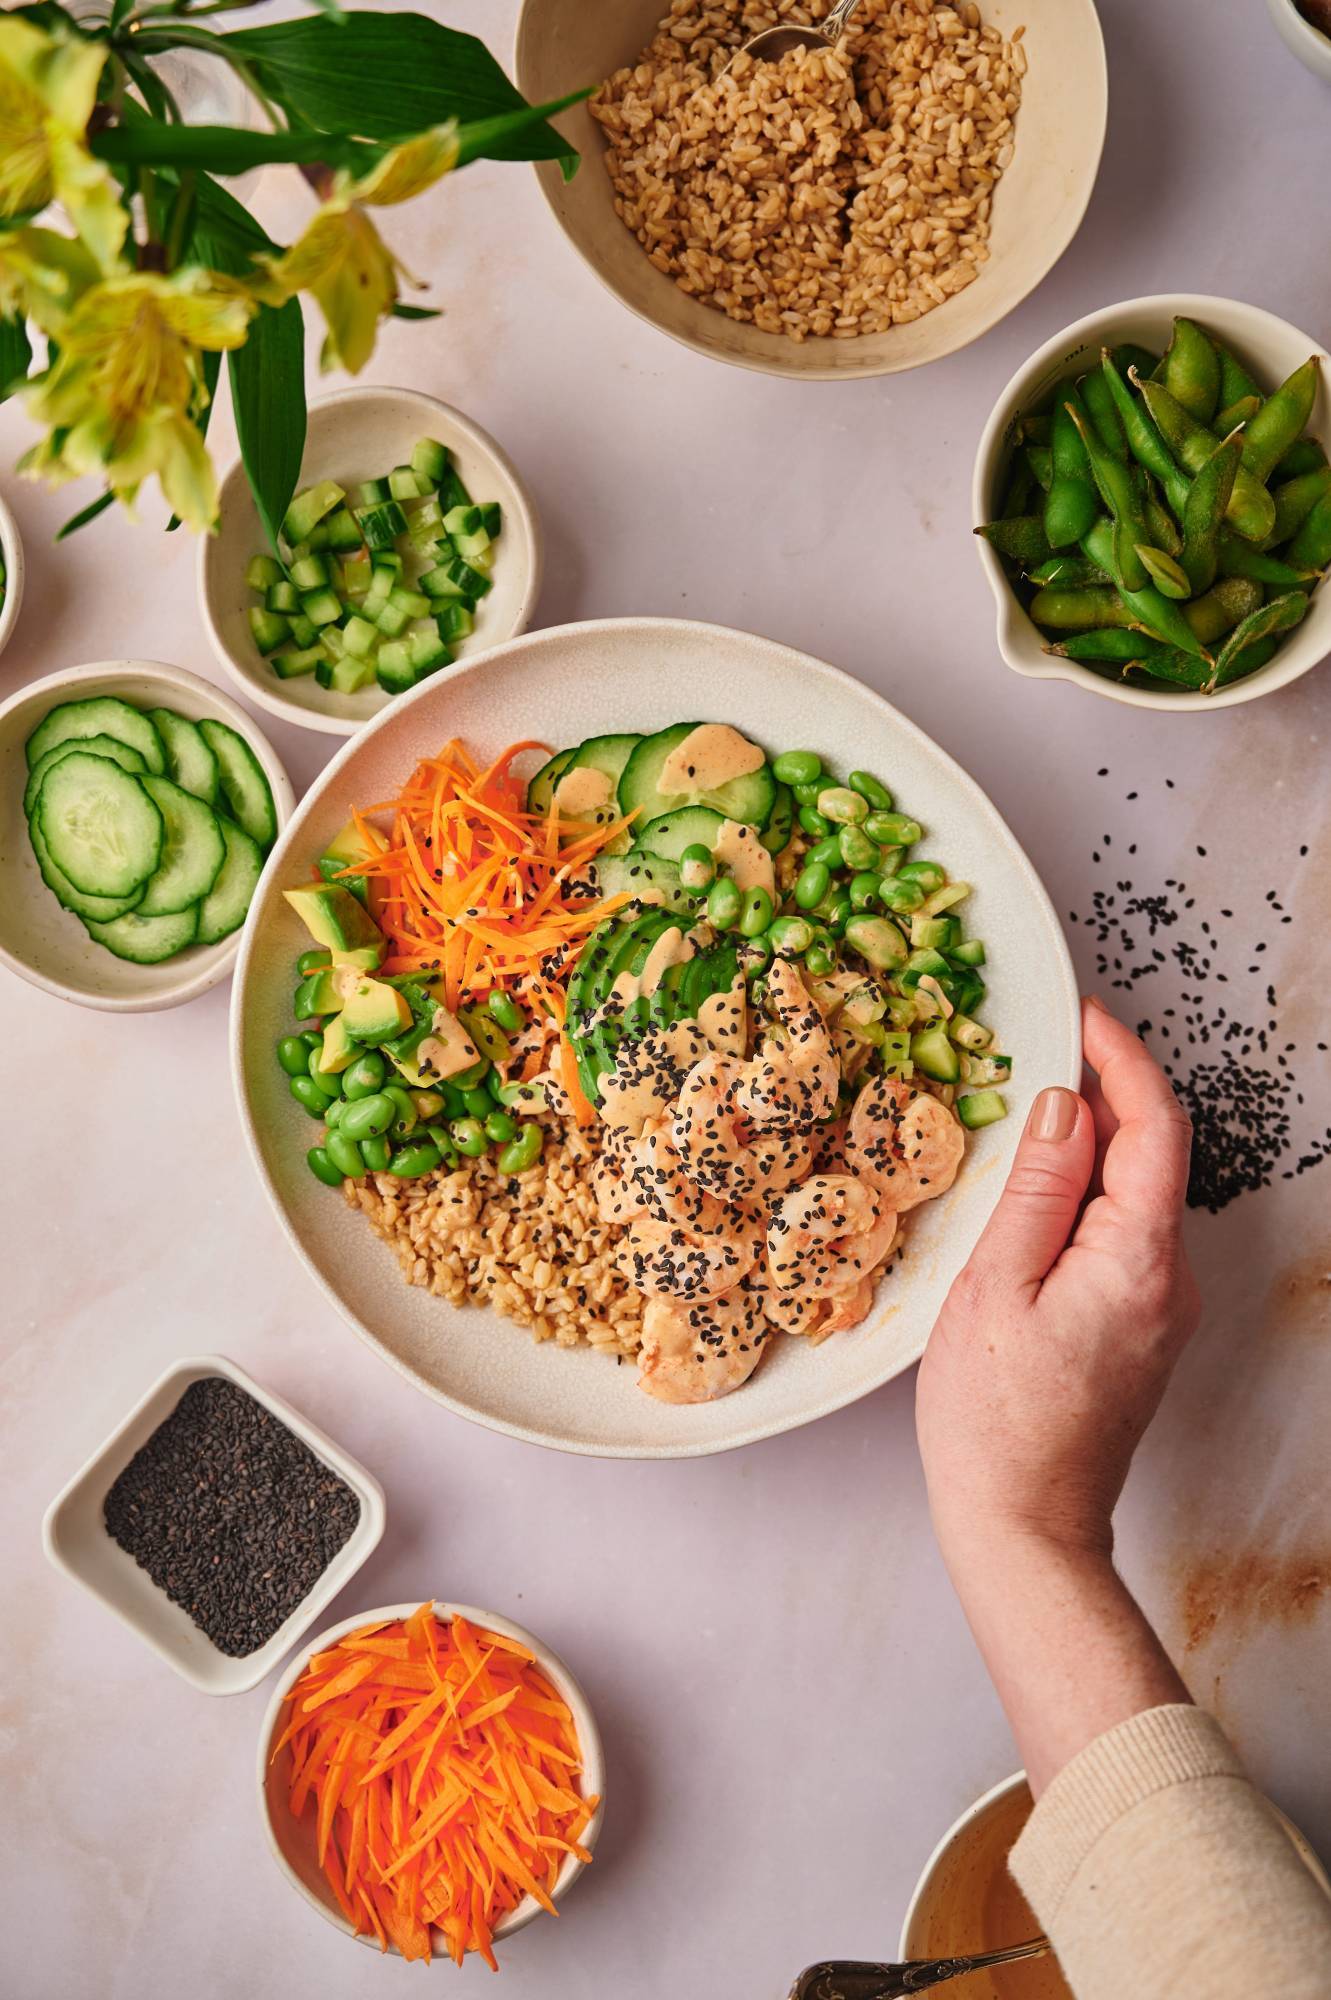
1147 1754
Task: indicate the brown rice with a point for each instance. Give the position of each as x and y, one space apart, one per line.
830 193
532 1246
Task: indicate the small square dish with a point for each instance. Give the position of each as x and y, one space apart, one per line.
77 1540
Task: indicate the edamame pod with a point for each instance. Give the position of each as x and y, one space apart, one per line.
1102 410
1123 498
1040 458
1204 514
1019 492
1304 455
1164 534
1114 642
1167 575
1069 572
1148 607
1240 558
1234 414
1070 504
1081 610
1235 381
1191 370
1144 440
1225 605
1311 547
1268 621
1295 500
1021 539
1280 420
1251 508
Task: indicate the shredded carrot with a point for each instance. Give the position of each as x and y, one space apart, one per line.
436 1766
474 889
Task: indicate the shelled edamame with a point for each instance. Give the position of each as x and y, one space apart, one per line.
1141 494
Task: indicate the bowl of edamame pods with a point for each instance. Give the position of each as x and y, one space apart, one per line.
1153 496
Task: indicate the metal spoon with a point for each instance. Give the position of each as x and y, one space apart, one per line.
773 43
856 1979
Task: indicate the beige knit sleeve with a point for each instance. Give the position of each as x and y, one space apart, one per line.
1156 1868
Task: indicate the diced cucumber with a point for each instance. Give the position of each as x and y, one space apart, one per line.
392 621
403 484
244 787
371 492
430 460
969 952
968 1034
310 573
192 852
427 651
935 933
343 533
283 597
360 638
932 1052
268 629
425 522
987 1069
492 518
463 521
749 799
382 524
263 572
289 662
308 509
345 675
223 908
452 491
103 715
395 668
100 908
189 762
100 827
474 549
321 607
317 539
414 602
96 746
669 835
304 631
453 621
440 582
541 787
777 832
644 876
471 582
980 1107
146 940
357 576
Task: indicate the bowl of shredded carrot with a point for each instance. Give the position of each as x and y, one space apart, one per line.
431 1779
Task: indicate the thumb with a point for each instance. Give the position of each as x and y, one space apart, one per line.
1037 1209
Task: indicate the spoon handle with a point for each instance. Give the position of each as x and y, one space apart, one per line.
857 1979
834 26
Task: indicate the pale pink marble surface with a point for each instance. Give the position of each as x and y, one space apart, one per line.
792 1708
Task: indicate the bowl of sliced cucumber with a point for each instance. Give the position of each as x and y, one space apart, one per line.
409 543
137 807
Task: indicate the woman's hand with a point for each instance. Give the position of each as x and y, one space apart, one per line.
1048 1361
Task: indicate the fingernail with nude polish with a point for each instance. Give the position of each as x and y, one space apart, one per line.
1094 1000
1054 1115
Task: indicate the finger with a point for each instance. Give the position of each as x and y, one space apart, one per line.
1145 1166
1037 1210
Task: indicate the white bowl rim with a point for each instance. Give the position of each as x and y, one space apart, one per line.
211 971
1193 305
1314 48
362 1482
785 366
11 547
701 632
337 725
550 1662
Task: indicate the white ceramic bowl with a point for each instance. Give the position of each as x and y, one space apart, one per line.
642 673
354 435
1312 48
562 45
76 1541
45 944
1272 349
289 1839
11 548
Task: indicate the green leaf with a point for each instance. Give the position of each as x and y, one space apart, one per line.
15 355
378 75
86 514
401 311
225 234
268 402
223 149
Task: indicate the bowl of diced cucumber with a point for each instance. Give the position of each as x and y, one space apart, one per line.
409 543
138 804
11 574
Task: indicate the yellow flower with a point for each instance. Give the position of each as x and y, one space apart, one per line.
342 258
43 275
128 380
48 87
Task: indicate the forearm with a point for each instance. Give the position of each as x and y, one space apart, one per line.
1068 1650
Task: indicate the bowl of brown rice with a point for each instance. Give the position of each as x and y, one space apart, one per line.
834 214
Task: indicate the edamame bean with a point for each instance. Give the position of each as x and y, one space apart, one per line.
789 936
797 767
345 1153
697 867
438 1136
827 851
406 1119
468 1135
312 1038
322 1167
857 850
368 1116
308 1095
363 1077
505 1009
500 1128
836 913
487 1035
878 941
329 1083
1165 573
755 912
812 884
723 903
807 795
455 1105
410 1162
376 1154
864 891
928 875
293 1054
522 1153
819 961
895 830
1225 605
467 1079
844 807
814 823
333 1112
755 957
313 961
428 1103
477 1103
875 795
899 895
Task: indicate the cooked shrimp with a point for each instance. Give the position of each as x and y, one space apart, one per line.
905 1142
644 1178
828 1235
685 1264
694 1353
793 1082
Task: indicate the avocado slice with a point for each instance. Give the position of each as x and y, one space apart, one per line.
374 1011
333 917
365 958
338 1049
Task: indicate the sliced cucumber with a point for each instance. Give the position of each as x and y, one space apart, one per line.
935 1055
100 908
980 1107
244 788
192 855
223 908
96 746
668 836
146 940
776 834
189 762
750 798
104 715
541 788
645 877
100 827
